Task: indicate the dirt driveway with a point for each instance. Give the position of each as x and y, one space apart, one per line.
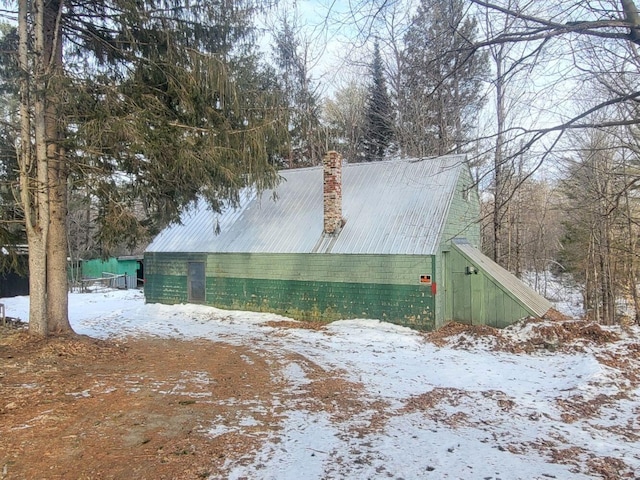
157 408
143 408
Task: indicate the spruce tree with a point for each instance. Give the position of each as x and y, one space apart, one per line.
442 79
11 232
305 144
378 130
147 107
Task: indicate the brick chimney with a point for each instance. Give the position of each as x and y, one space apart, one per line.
332 192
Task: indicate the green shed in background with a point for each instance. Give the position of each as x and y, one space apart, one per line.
390 240
129 267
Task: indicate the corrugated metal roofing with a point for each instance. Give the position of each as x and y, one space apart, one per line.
390 207
530 299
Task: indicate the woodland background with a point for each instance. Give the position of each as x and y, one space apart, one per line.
116 114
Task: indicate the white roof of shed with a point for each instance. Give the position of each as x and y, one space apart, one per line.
390 207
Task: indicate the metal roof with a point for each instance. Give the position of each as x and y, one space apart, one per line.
390 207
527 296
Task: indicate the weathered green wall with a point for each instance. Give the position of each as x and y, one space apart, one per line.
478 299
463 219
303 286
94 268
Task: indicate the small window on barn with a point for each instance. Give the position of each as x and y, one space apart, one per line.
466 193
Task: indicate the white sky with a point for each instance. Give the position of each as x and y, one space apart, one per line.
338 50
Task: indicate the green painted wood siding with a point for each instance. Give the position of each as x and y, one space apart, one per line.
477 299
464 212
303 286
165 276
95 268
462 221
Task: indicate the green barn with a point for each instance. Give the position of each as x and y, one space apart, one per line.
392 240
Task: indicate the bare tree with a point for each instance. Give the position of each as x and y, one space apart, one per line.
344 115
599 222
563 29
508 84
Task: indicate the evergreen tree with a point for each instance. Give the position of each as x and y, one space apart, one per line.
442 75
305 142
379 113
147 107
11 229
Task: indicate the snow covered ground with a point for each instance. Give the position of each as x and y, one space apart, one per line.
461 409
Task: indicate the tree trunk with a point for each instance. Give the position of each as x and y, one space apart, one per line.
33 169
605 242
458 115
631 254
57 245
592 300
498 167
58 285
43 170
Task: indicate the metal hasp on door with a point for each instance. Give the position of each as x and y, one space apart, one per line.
196 282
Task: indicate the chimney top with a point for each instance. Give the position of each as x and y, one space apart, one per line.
332 163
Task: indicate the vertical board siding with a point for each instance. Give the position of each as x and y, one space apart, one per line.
520 293
483 300
95 268
461 221
303 286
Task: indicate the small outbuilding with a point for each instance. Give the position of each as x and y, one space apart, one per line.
14 271
123 272
393 240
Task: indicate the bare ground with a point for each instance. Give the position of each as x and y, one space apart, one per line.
151 408
90 409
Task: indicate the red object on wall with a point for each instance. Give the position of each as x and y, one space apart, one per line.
433 288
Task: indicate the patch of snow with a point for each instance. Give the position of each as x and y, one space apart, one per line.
306 448
561 290
82 394
495 414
